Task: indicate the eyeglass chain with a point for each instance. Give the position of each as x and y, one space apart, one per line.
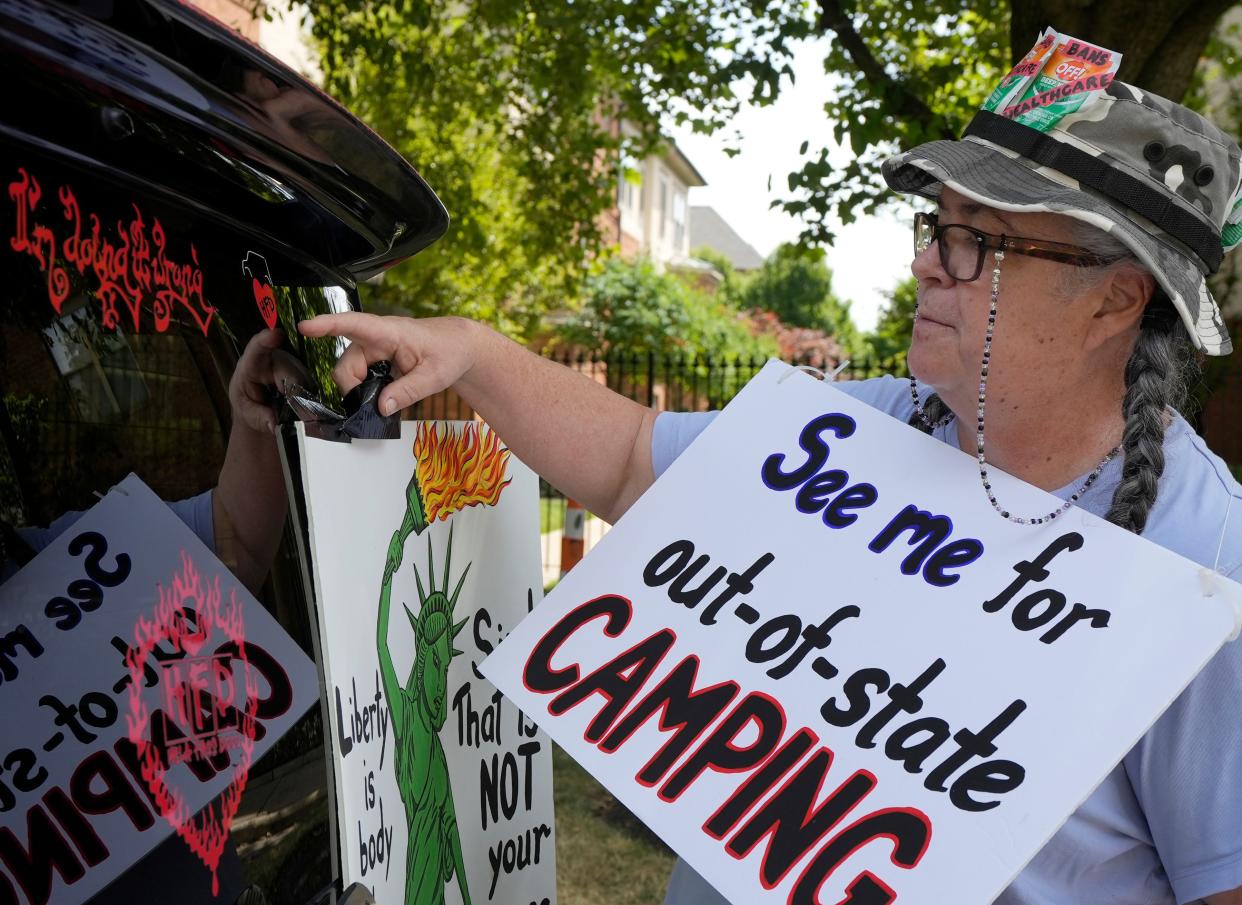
979 447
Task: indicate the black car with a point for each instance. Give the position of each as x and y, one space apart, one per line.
171 191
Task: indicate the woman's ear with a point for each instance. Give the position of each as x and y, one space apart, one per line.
1120 300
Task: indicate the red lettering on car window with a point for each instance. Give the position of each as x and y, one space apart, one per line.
130 270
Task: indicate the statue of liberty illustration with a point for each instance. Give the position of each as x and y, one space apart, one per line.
451 471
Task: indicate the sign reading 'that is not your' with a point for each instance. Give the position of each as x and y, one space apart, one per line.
819 666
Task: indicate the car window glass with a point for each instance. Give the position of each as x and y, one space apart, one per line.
121 322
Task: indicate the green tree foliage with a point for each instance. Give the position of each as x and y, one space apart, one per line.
795 284
633 308
733 283
510 111
909 72
891 337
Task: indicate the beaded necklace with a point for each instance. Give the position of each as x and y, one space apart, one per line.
983 390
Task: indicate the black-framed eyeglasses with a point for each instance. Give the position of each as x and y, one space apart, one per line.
963 249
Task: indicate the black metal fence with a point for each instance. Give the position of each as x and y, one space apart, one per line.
675 383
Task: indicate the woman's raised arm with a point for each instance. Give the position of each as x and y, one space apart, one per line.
591 443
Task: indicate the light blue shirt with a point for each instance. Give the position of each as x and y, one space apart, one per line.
1165 826
195 511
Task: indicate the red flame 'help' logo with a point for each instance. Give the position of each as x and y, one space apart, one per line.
201 708
266 300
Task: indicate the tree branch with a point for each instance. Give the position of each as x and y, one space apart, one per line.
1170 71
1160 56
902 101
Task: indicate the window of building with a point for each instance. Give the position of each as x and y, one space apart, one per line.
629 188
679 220
662 210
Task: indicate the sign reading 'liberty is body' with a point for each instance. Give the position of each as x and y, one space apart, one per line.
426 553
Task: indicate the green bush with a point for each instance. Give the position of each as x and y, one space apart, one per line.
895 326
631 307
795 284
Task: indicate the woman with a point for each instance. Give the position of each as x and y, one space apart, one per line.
1061 292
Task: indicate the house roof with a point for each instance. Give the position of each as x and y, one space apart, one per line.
681 165
708 228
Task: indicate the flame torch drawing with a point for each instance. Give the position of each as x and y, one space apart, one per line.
451 472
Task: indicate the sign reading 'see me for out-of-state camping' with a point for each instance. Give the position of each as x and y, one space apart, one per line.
815 661
140 682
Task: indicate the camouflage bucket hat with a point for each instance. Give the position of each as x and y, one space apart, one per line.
1155 175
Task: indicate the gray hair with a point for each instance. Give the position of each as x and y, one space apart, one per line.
1161 368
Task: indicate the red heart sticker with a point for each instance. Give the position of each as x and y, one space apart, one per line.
266 300
200 718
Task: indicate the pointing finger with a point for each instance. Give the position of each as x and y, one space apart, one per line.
353 325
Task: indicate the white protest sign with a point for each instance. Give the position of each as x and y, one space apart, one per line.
139 682
817 663
425 548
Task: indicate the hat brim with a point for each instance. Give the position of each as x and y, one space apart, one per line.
999 178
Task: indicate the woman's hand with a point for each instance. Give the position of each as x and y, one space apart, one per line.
248 505
262 365
427 355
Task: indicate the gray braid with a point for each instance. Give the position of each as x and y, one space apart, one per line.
1156 380
934 410
1157 376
